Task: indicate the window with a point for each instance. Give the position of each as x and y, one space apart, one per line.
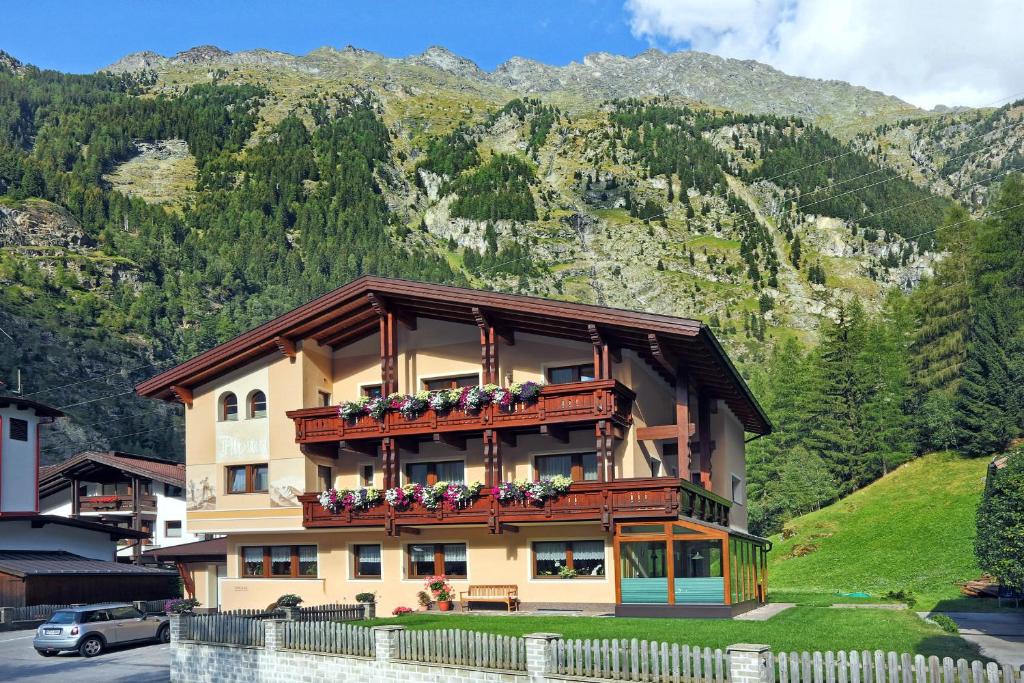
124 613
571 373
325 476
325 398
576 466
429 473
247 479
585 557
697 559
456 382
366 561
366 475
278 561
257 404
429 559
737 489
19 429
372 390
172 491
228 407
172 528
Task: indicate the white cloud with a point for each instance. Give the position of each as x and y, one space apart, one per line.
927 52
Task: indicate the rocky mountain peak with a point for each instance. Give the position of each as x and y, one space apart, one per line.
136 61
200 54
443 59
9 63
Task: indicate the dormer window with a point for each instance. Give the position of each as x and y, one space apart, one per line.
228 407
257 404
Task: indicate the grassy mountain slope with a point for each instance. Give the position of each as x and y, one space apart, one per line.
911 530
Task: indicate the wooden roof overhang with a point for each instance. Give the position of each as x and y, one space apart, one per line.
351 312
105 468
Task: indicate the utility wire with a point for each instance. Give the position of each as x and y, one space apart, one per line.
118 436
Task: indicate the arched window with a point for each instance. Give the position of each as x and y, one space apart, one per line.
228 407
257 404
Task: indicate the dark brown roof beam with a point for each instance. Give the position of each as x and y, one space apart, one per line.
342 326
353 334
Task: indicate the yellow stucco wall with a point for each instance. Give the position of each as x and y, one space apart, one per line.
491 559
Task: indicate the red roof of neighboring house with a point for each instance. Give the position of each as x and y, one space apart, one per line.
53 478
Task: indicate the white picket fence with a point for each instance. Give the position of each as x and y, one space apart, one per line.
329 637
463 648
884 667
640 660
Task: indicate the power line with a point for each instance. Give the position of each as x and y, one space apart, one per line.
94 400
118 436
93 379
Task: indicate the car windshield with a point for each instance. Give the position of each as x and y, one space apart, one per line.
63 616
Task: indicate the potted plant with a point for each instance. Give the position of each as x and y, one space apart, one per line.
289 604
399 611
181 606
424 599
441 590
369 603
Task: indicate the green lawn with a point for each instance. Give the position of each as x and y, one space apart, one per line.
799 629
911 530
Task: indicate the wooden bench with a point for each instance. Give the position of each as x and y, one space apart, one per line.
493 593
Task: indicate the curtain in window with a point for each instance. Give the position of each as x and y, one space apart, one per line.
589 466
454 559
421 553
280 560
307 560
252 558
417 473
549 551
451 471
237 483
588 550
552 465
259 478
368 559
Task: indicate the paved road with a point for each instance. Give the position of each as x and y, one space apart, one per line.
132 664
1000 635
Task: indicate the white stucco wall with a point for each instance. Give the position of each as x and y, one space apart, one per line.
18 463
20 535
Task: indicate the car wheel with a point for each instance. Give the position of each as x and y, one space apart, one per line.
90 647
46 653
164 634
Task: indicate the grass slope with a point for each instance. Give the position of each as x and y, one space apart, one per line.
911 530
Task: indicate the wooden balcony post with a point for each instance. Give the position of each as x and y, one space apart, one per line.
683 420
389 461
704 434
388 345
136 520
76 498
492 458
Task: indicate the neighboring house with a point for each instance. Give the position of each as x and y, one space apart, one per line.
202 561
644 412
121 489
51 559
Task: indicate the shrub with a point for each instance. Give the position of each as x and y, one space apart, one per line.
424 598
945 623
902 595
289 600
999 544
366 597
181 605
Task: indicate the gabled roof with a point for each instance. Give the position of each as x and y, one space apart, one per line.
53 478
351 312
40 522
41 409
58 562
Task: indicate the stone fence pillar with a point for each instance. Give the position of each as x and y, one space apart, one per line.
385 640
273 634
369 610
540 655
177 629
748 663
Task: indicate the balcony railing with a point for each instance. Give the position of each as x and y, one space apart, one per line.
557 404
115 503
660 498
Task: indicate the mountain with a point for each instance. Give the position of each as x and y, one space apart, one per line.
927 547
739 85
168 203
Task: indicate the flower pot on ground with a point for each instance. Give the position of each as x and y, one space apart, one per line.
442 591
444 605
423 598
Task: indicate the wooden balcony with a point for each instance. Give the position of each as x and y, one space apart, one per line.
657 498
579 402
116 503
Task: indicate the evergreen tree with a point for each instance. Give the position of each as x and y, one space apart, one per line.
999 545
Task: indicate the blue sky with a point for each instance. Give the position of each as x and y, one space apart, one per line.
82 36
927 52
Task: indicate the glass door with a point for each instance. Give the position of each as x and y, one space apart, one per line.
697 569
643 572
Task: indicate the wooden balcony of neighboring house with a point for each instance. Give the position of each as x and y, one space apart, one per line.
653 498
558 404
117 503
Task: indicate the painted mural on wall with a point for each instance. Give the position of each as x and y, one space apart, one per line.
284 492
200 495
